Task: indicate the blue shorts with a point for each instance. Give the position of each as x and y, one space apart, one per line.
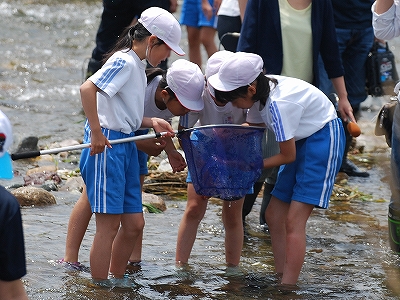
142 156
310 178
192 15
112 177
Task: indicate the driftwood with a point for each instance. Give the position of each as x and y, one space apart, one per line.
166 183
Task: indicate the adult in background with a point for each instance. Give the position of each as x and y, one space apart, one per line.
12 248
290 35
116 16
355 35
386 24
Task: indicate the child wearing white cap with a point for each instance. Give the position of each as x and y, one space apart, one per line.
113 101
311 140
12 258
167 94
213 112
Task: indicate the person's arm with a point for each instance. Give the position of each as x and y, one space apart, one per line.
98 141
386 19
175 159
242 8
152 147
173 6
158 124
344 106
207 9
382 6
286 155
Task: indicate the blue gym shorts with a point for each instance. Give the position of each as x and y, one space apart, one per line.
112 177
310 178
192 15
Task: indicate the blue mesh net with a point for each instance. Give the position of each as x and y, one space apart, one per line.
224 161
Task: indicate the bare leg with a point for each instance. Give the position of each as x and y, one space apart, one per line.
232 219
193 34
287 226
136 255
295 240
127 236
207 37
195 209
77 225
107 226
275 215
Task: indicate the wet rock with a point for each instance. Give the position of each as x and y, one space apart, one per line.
33 196
39 178
73 184
48 168
154 200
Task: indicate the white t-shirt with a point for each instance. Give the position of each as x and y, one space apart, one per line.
213 114
122 83
229 8
294 109
150 107
387 25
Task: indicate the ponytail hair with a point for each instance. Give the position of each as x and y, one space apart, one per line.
125 41
262 91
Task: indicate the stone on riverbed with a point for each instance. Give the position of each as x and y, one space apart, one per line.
33 196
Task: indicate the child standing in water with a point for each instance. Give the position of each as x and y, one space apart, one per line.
311 140
213 112
167 94
113 101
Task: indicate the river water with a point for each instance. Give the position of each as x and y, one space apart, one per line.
44 45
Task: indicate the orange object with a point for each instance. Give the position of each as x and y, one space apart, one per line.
353 129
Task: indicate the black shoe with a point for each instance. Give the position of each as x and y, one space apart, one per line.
351 169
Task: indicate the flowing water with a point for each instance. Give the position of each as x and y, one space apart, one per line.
44 45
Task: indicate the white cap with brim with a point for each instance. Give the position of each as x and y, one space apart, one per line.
163 25
5 143
215 61
239 69
187 82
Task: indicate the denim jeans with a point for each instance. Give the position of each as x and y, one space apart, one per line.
354 46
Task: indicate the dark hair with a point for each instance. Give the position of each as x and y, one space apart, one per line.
262 92
125 41
152 73
163 84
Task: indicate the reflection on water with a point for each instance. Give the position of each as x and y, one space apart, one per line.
44 44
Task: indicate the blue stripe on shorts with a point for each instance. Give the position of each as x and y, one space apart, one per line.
112 177
310 178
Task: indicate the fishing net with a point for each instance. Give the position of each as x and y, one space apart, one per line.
224 161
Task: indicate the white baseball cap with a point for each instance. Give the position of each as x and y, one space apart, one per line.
186 80
163 25
237 70
214 63
5 143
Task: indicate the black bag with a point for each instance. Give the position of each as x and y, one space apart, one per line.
384 120
381 71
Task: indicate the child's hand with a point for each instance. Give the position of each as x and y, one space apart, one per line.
98 142
176 161
152 147
160 125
